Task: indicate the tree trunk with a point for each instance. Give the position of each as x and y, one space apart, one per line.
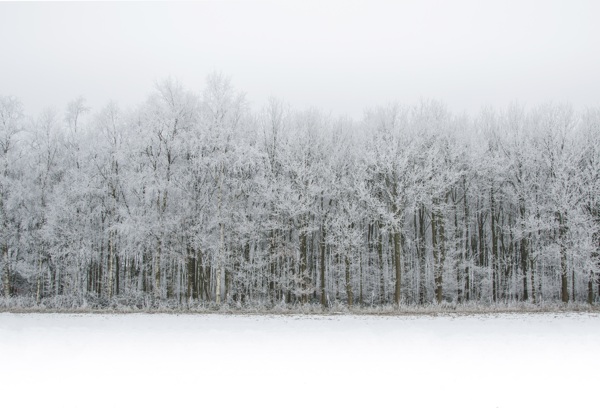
421 254
524 247
494 247
99 272
442 244
272 266
360 281
38 291
220 255
596 259
303 264
220 263
562 230
481 245
397 265
437 242
573 284
191 292
117 273
157 272
467 246
370 254
382 294
533 291
591 288
110 265
228 278
6 277
322 267
349 293
459 254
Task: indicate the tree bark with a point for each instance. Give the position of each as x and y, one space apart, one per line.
591 288
157 272
421 254
6 277
38 291
272 266
562 230
303 264
349 293
110 265
442 243
596 259
117 273
382 293
524 249
397 265
467 246
458 249
322 267
220 263
220 254
494 246
437 242
191 274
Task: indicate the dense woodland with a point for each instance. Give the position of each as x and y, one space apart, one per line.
193 198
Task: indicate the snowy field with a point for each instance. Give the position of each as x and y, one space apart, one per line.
71 360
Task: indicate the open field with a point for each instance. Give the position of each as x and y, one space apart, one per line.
499 360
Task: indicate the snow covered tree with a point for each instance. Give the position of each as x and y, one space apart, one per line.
193 198
11 125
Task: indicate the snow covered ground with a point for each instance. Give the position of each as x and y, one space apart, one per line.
72 360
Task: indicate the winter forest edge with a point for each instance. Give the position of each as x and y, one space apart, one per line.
192 201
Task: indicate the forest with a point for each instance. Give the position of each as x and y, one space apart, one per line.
194 198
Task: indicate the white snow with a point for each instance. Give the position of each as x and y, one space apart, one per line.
73 360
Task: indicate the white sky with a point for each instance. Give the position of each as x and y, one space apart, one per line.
339 56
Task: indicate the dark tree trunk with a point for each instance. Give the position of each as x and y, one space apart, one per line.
6 275
303 265
397 266
459 254
591 288
421 254
322 266
467 246
349 293
117 273
382 293
494 247
524 247
191 274
272 266
562 230
437 243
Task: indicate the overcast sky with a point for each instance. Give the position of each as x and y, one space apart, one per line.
339 56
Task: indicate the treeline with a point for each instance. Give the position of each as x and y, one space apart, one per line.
196 199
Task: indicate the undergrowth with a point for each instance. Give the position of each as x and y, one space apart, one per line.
149 304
